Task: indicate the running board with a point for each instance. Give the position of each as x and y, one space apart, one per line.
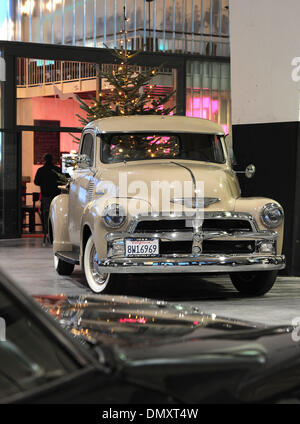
70 257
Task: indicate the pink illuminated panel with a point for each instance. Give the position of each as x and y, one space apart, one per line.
200 107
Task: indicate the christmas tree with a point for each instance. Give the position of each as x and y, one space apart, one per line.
130 92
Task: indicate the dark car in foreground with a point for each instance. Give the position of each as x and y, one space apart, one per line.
121 350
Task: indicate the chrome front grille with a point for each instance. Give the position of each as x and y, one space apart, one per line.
222 233
182 244
228 225
226 247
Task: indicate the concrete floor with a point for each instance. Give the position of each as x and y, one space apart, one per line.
31 266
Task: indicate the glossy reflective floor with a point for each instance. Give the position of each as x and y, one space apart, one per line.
31 266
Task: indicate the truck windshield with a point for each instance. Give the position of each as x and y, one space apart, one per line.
148 146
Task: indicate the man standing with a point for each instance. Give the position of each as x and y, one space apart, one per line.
47 177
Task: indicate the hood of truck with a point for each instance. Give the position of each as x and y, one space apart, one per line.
142 179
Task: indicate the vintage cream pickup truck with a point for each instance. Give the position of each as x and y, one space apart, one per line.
157 194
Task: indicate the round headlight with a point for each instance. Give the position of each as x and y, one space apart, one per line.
114 216
272 215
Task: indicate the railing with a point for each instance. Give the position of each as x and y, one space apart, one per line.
170 42
39 72
36 72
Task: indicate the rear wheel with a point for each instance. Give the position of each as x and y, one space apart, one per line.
62 267
253 283
97 282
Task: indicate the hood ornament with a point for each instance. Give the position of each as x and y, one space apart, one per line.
196 201
199 202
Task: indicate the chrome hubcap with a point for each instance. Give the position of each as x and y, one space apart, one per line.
98 278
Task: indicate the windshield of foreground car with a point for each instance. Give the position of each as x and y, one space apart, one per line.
147 146
29 356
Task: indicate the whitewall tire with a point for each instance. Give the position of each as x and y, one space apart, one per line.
97 282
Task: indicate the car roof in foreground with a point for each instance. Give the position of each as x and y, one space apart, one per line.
146 123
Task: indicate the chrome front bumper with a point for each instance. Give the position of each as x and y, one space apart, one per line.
201 264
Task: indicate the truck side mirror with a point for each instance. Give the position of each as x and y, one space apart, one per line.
250 171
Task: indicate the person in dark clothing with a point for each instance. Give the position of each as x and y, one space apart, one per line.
47 178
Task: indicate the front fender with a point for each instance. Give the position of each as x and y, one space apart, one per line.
59 220
92 218
254 205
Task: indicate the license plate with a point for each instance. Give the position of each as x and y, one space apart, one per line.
141 247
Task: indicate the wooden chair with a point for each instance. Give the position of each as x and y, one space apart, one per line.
31 211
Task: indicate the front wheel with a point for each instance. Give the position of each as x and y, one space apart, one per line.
97 282
255 283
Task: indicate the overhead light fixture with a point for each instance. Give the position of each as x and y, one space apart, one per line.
55 3
27 7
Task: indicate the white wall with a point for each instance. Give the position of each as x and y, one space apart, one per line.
265 37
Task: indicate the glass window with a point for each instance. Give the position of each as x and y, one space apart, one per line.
208 92
29 357
184 25
87 147
188 146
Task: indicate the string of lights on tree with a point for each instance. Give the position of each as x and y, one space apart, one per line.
142 146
